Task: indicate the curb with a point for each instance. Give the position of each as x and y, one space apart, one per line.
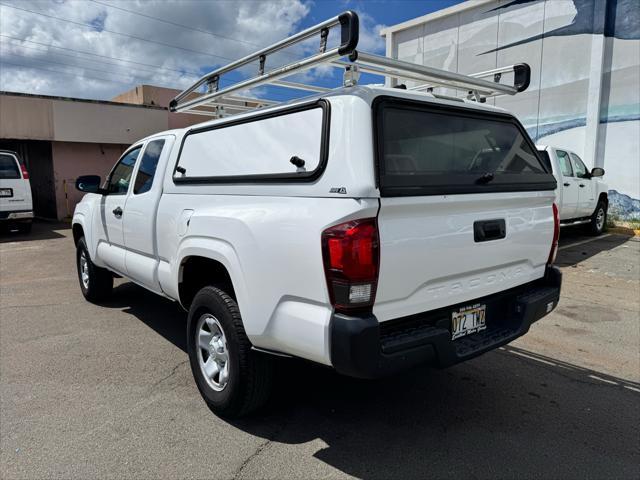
624 231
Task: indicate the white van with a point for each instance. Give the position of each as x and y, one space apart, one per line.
16 204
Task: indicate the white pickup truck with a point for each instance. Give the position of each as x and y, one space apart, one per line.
368 229
581 195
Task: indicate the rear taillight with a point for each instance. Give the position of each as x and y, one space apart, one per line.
351 254
556 235
25 174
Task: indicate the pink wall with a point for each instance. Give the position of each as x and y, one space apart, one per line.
72 159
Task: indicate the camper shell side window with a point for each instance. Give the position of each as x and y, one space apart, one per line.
287 145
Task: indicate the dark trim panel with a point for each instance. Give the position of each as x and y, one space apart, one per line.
349 32
428 187
270 177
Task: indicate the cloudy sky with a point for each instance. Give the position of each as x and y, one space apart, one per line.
99 48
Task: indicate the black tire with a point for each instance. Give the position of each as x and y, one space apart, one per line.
24 227
598 224
250 373
100 283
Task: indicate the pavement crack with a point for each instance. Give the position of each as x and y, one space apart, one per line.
168 376
248 460
258 451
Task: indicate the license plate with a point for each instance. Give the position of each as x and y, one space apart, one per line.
6 192
467 320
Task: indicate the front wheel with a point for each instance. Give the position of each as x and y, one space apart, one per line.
96 283
598 219
233 379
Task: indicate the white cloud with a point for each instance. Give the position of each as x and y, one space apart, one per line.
28 65
370 39
123 62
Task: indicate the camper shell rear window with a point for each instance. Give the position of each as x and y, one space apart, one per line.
427 149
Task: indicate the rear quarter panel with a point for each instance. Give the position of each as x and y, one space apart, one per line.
271 248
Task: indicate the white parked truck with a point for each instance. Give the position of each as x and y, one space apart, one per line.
365 228
582 195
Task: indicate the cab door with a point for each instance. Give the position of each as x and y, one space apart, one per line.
111 247
139 218
586 187
569 185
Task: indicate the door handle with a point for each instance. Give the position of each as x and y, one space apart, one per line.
566 184
117 212
582 185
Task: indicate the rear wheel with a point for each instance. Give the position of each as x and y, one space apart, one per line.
234 380
96 283
599 219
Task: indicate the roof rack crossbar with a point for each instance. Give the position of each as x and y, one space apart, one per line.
479 85
300 86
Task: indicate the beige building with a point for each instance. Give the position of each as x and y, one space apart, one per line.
61 138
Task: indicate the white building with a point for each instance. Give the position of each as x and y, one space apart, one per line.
585 71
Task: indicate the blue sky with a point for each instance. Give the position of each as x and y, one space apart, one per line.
100 48
373 14
384 12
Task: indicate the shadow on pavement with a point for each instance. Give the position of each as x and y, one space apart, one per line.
41 230
160 314
509 413
502 415
575 246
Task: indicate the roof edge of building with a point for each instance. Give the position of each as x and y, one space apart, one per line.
445 12
81 100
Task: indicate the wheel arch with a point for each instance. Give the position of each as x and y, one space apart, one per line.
604 197
78 232
208 261
198 271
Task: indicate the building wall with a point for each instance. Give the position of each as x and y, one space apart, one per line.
81 137
585 62
160 96
70 120
72 159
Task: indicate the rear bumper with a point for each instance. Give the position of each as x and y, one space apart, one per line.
362 347
16 215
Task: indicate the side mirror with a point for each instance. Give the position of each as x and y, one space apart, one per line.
597 172
88 183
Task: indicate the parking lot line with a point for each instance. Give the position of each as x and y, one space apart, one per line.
585 241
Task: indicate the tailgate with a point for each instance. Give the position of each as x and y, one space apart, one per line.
430 256
465 208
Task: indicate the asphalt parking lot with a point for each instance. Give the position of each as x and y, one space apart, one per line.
106 392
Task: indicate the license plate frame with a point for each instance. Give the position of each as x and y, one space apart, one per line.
6 192
468 320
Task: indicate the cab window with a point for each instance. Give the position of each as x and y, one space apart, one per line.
120 178
565 163
148 165
579 167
